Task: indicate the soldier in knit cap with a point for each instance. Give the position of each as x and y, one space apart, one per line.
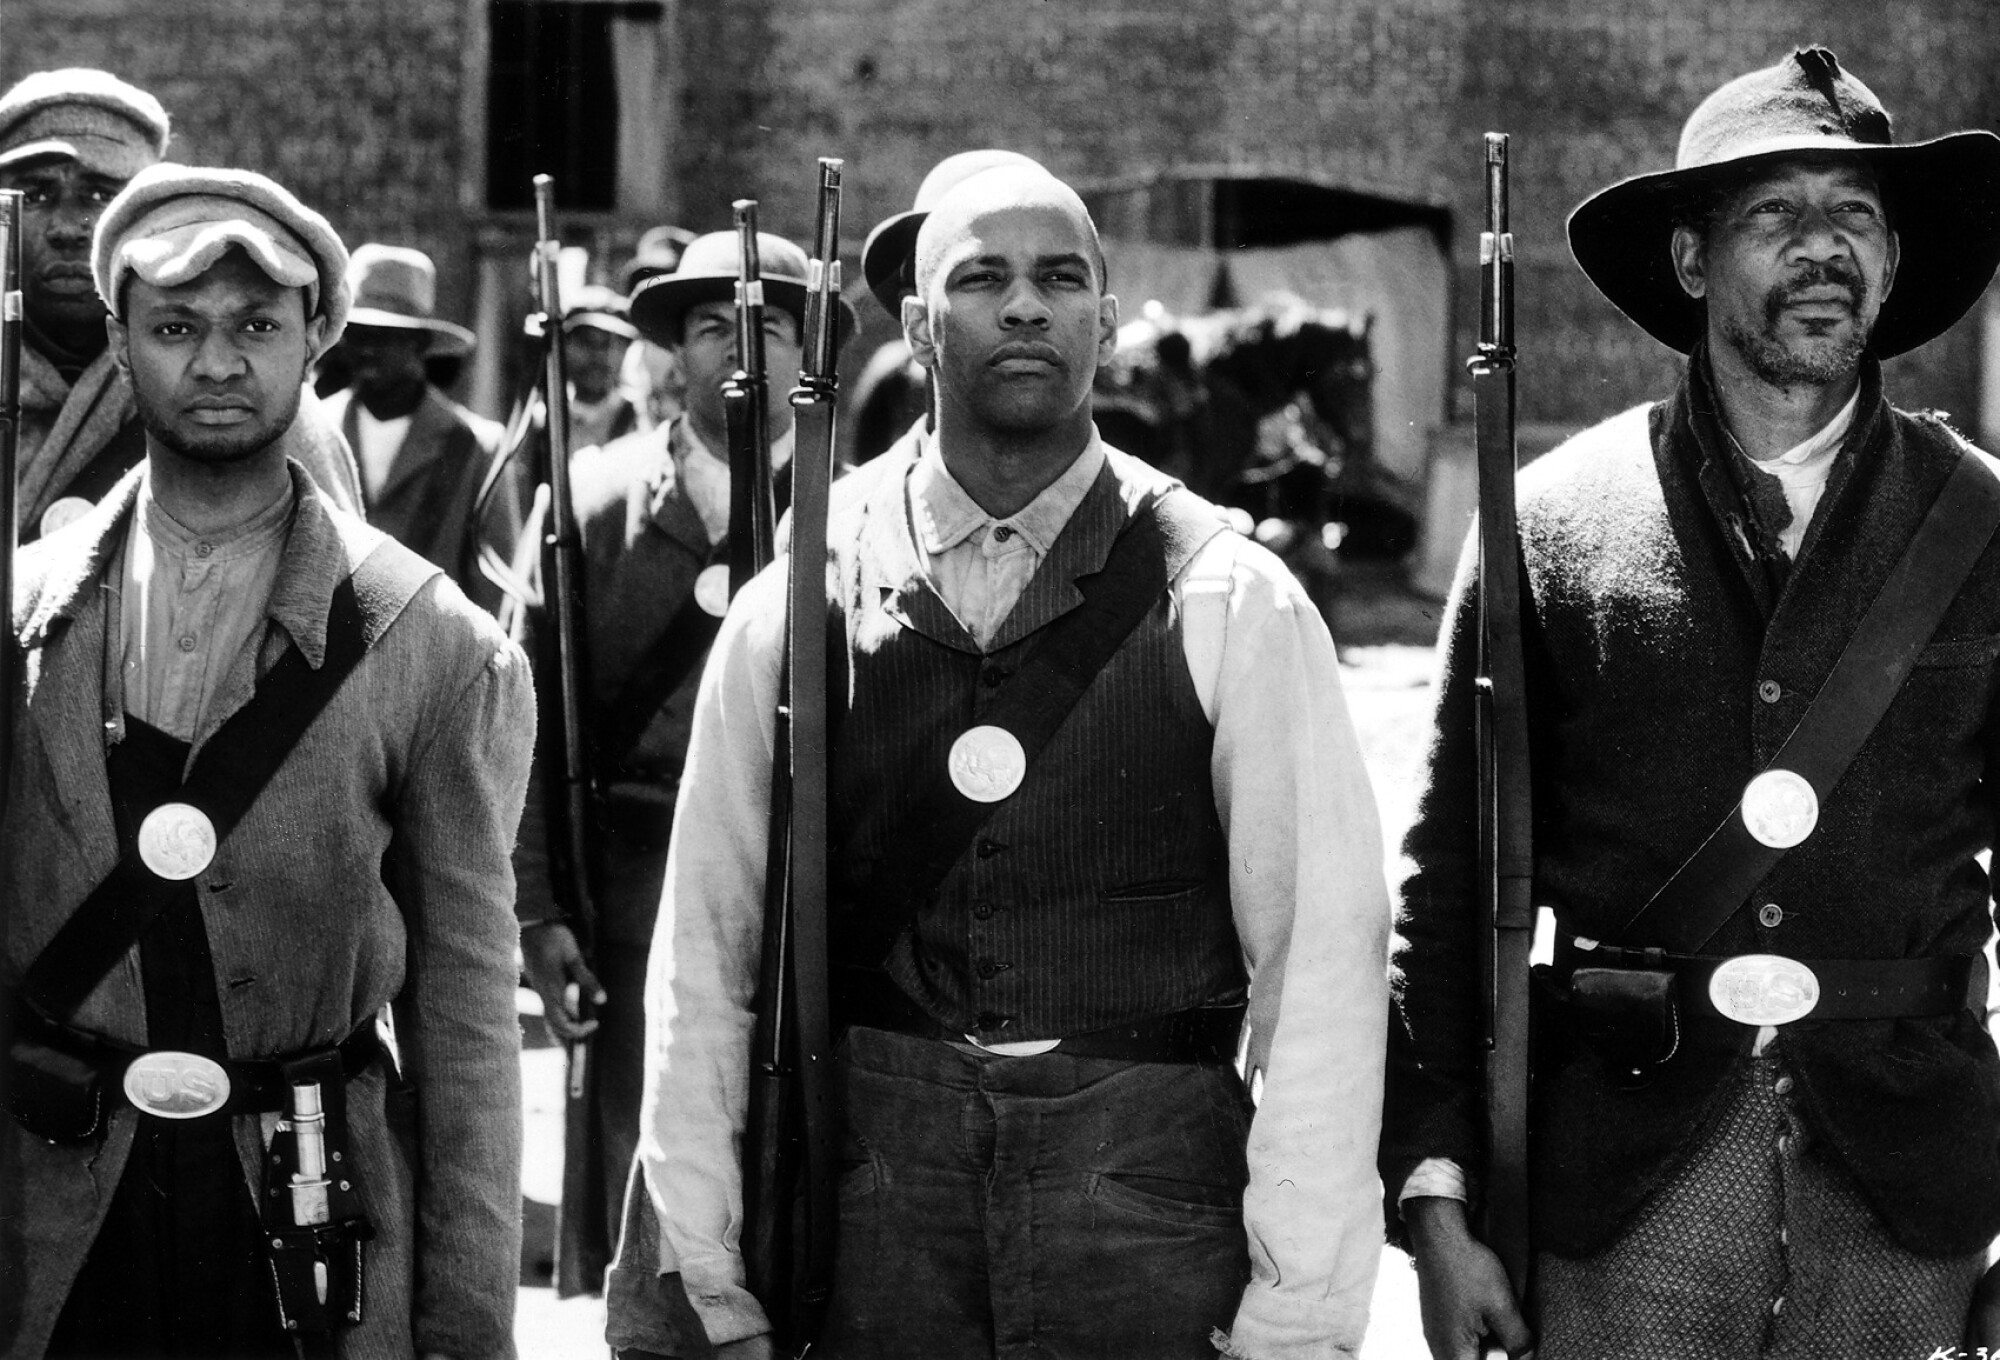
269 770
70 140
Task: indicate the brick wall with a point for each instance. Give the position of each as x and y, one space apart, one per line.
356 103
351 104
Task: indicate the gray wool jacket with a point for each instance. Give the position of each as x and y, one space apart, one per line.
372 873
1665 669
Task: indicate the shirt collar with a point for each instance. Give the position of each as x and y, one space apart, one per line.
1828 438
246 538
944 515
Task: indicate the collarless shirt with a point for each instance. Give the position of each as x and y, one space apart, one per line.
191 607
978 564
704 475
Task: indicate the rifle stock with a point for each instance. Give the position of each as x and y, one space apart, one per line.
791 1131
1505 827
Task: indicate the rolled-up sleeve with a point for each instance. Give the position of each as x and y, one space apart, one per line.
456 1024
1312 911
701 985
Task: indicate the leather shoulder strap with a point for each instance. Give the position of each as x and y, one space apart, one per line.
1717 879
228 774
1150 552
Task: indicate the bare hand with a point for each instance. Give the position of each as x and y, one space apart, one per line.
1982 1322
1462 1288
555 963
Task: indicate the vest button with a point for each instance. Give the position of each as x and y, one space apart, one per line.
995 676
988 968
988 848
992 1020
1769 915
1770 691
982 911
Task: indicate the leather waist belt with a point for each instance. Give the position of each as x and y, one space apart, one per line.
1740 987
1204 1034
256 1085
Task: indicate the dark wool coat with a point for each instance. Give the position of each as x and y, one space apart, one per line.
1663 672
427 502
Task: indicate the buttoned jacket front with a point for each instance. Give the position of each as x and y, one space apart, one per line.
371 873
1665 668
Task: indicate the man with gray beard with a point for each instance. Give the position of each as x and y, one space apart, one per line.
1766 1110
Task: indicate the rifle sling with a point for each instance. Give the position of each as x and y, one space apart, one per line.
1715 881
1149 553
231 769
664 667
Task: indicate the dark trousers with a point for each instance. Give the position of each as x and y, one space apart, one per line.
1047 1206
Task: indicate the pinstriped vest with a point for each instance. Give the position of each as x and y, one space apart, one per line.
1096 894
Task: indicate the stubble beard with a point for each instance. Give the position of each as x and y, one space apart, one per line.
220 447
1810 360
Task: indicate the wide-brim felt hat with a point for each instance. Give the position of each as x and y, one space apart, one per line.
1942 197
889 255
707 273
395 289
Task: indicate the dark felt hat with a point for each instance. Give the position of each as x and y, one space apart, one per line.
889 256
1943 198
706 272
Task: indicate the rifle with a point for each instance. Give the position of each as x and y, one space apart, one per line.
565 752
788 1236
753 514
11 323
1506 850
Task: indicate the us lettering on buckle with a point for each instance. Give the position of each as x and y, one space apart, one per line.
1763 989
170 1085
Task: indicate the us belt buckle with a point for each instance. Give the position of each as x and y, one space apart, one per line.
1763 989
170 1085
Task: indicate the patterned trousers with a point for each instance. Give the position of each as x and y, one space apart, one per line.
1760 1245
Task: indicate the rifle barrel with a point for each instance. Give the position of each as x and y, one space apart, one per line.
562 577
813 402
11 324
746 406
1505 826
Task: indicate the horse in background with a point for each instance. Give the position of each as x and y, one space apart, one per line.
1265 409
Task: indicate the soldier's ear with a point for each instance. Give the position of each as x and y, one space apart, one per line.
118 340
1107 326
1690 251
917 331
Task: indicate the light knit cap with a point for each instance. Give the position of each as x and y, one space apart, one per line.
84 115
172 223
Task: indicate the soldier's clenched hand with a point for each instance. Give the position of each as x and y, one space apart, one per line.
555 963
1461 1286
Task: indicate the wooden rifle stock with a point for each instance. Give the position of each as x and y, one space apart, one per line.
11 323
1506 850
791 1112
560 674
745 402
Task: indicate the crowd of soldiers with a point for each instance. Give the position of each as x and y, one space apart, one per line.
1144 1057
